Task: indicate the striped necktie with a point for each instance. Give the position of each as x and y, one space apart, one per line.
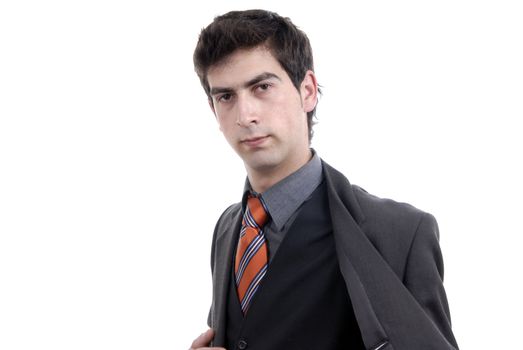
251 255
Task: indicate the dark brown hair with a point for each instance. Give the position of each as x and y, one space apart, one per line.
248 29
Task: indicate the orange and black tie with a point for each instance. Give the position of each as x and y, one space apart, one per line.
252 254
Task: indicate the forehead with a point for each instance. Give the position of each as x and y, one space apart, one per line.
242 65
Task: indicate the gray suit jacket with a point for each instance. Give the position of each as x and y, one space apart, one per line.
390 259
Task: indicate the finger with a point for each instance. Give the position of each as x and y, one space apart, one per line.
203 340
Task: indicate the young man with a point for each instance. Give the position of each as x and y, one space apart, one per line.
306 260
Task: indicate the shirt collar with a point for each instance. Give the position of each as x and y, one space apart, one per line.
285 197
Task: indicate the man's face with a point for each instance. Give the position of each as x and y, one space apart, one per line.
260 112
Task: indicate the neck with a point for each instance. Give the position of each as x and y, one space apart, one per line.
263 179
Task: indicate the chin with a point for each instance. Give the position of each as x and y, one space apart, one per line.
261 161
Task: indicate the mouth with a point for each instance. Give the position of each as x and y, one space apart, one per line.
255 141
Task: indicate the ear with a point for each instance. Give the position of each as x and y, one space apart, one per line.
309 91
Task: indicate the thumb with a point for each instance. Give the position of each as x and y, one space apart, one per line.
203 340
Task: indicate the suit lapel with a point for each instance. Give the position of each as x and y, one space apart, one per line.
348 235
224 250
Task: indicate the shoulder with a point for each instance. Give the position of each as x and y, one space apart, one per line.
223 226
388 213
229 213
393 226
226 219
370 209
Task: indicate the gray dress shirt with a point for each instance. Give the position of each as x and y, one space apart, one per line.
284 199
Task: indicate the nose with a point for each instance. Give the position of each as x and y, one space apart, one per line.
247 113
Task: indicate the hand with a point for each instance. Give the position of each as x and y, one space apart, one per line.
204 340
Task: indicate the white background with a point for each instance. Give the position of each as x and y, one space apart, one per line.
113 171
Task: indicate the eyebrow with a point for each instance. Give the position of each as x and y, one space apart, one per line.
253 81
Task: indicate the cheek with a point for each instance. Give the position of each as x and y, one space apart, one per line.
293 116
220 123
223 122
227 128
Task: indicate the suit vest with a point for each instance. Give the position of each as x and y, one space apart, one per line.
302 302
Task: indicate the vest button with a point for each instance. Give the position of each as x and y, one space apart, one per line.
242 345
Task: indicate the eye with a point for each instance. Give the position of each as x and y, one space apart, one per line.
224 97
263 87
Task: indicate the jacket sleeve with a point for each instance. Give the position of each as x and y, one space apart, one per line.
213 246
209 316
424 275
218 227
213 251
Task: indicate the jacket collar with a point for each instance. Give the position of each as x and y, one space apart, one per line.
343 191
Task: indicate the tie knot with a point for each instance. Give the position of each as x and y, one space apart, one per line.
255 215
